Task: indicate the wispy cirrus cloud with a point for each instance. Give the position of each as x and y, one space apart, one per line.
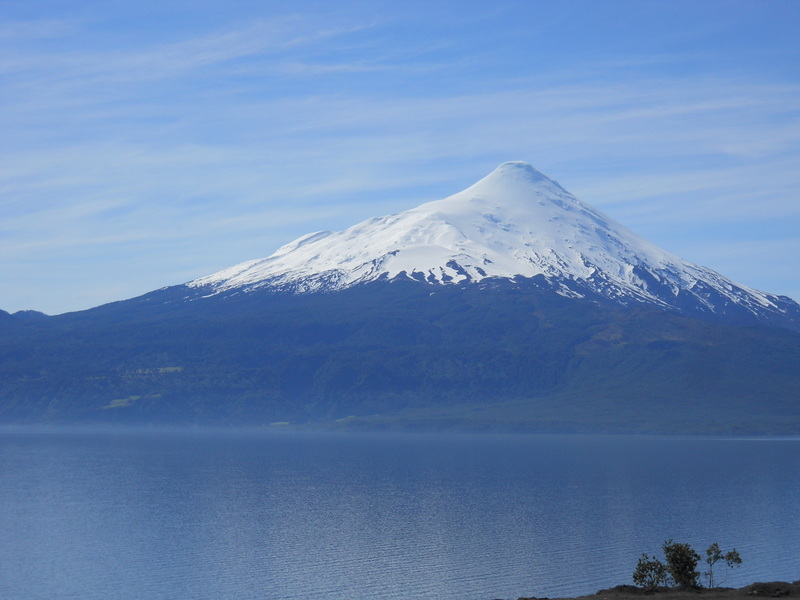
15 31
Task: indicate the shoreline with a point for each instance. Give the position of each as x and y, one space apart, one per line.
772 589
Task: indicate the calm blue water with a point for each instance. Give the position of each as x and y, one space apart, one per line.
280 516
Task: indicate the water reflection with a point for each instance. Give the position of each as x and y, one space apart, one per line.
220 515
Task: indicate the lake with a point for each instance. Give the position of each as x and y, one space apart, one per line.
251 515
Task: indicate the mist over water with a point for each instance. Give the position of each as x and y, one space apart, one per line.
249 515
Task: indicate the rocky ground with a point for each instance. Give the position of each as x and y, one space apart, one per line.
774 589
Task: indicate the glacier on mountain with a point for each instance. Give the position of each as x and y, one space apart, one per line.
514 223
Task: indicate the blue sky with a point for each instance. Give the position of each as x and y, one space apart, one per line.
147 143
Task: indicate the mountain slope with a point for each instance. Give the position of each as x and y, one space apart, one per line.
509 306
505 356
514 223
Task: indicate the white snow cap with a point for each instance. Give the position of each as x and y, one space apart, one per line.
514 222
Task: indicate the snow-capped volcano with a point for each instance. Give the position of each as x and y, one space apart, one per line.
507 295
514 223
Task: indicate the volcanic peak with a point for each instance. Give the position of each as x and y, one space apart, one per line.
515 222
